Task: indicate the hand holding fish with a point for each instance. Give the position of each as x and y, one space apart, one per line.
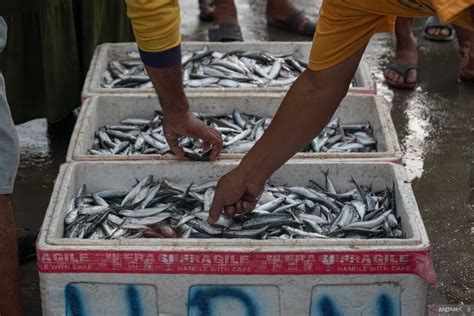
177 120
235 194
177 126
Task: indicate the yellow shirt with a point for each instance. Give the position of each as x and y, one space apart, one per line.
156 25
346 26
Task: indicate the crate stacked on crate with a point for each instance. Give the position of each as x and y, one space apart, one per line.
105 111
203 276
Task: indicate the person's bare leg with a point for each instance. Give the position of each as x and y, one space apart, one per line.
466 49
406 51
9 271
280 10
225 12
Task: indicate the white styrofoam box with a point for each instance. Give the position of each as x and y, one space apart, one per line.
107 110
252 277
231 295
364 83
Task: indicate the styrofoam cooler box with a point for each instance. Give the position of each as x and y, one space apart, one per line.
107 110
229 276
104 53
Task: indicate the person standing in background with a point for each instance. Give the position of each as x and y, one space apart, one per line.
9 157
402 72
98 22
282 14
50 48
41 62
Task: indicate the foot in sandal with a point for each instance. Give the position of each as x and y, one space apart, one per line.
435 30
402 72
283 14
225 26
26 239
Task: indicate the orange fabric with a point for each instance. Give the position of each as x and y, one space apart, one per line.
455 11
346 26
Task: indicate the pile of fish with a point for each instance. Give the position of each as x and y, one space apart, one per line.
163 209
208 68
240 132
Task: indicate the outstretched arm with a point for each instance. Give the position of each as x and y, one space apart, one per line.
342 33
156 27
304 112
177 120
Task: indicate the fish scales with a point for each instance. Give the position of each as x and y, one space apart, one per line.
240 131
161 208
204 68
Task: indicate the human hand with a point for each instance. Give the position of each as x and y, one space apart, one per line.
236 194
176 125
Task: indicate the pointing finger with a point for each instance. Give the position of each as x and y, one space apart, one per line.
217 146
177 150
216 208
173 142
214 153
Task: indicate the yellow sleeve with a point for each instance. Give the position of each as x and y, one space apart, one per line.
455 11
341 31
156 25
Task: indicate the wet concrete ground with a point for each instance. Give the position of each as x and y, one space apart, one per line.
435 130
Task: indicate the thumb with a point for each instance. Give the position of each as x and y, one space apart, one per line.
173 142
216 208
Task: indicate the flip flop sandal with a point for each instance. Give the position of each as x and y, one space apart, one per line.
206 17
403 71
293 21
434 22
27 246
225 32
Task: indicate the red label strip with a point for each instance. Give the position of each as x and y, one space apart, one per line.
291 263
